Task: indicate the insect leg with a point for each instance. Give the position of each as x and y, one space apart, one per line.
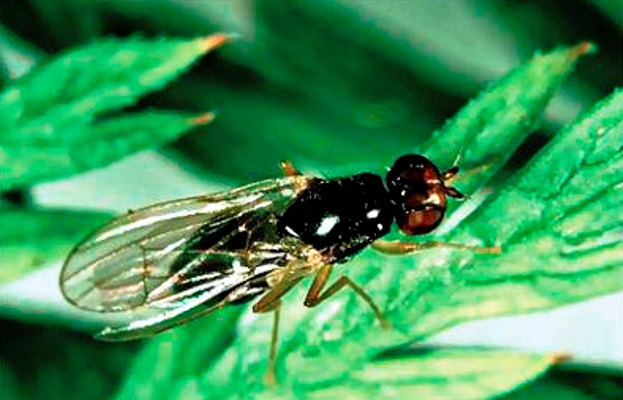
266 303
289 169
315 295
271 301
397 247
274 338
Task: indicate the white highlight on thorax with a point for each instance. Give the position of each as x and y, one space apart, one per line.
327 224
373 213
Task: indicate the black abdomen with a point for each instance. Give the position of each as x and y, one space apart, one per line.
340 217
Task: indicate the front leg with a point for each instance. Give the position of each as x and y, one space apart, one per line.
397 247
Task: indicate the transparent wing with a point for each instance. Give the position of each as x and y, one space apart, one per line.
199 294
175 256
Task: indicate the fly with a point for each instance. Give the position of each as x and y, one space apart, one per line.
172 262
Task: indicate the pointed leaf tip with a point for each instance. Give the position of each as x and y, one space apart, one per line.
50 131
584 48
203 119
559 357
213 41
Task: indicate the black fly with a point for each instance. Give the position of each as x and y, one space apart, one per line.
173 262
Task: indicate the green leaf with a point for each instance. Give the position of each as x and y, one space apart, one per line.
416 373
166 374
424 293
442 374
30 239
102 77
102 143
51 112
489 129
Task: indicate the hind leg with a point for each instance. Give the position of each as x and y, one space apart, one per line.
271 301
316 295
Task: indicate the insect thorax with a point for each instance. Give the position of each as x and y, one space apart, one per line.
340 217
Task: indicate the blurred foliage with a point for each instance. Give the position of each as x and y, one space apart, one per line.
55 363
16 56
561 243
327 83
581 382
166 374
336 86
30 239
57 120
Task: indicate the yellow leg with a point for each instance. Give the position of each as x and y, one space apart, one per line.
397 247
271 301
270 376
315 295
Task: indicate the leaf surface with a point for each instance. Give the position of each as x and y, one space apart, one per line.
421 294
55 113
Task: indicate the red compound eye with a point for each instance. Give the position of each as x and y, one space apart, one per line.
418 193
422 212
411 174
419 222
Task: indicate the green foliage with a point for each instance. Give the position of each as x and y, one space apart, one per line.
30 239
16 56
56 119
425 293
95 146
166 375
581 382
428 292
339 87
8 383
342 86
490 127
58 364
473 373
488 130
